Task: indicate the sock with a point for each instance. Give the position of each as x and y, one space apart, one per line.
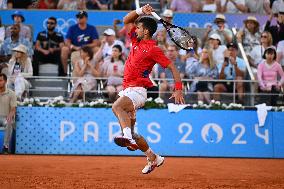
127 132
149 153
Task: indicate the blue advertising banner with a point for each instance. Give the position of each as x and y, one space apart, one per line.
38 18
90 131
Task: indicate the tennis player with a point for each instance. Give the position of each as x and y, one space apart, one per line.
143 56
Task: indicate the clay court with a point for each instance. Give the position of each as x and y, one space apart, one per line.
24 171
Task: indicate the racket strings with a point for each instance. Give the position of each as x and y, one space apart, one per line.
181 37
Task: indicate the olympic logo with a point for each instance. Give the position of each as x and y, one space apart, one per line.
62 24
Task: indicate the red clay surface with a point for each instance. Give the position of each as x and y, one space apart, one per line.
25 171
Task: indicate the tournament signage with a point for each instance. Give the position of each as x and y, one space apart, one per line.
91 131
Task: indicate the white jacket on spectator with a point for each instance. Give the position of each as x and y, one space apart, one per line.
18 70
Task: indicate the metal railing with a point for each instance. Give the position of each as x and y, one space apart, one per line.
99 91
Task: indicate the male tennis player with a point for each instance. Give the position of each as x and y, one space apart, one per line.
143 56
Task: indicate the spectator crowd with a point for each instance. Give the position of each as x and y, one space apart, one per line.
215 55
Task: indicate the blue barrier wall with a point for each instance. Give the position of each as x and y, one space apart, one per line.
188 133
37 18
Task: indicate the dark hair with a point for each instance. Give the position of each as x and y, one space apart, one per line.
4 76
270 50
53 18
148 23
88 50
120 50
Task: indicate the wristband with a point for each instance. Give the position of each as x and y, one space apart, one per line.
178 85
139 11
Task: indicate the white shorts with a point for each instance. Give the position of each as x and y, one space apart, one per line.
138 95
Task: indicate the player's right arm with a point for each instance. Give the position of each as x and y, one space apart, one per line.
133 15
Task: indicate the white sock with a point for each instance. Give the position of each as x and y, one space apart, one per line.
127 132
149 153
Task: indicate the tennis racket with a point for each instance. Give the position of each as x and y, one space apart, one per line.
180 36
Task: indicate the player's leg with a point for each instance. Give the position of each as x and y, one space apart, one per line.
153 159
121 107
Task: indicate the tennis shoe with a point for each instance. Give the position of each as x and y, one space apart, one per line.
151 165
126 142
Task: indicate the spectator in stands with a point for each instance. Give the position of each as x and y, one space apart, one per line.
167 15
87 70
8 105
191 57
280 53
98 4
278 29
277 6
218 50
208 6
3 4
72 4
20 4
19 67
184 5
233 68
2 33
122 4
225 34
79 35
233 6
249 35
205 69
258 6
167 82
268 73
108 42
113 69
12 42
48 47
255 57
25 31
122 34
47 4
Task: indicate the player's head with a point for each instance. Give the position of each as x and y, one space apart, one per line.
146 27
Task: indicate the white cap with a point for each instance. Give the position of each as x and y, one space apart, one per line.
109 31
215 36
20 48
168 13
220 17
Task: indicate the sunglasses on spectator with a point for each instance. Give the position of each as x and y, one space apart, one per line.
51 23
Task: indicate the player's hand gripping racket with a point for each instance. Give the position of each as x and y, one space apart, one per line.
178 35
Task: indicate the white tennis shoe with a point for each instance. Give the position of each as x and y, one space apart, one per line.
151 165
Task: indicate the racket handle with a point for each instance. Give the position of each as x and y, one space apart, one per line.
156 16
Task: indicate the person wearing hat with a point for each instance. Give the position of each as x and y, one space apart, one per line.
268 73
168 16
233 68
278 29
225 34
13 41
107 43
19 67
25 31
217 49
250 34
79 35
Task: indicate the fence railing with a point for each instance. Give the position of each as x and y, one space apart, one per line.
250 96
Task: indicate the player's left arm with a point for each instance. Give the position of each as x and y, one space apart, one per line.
177 94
